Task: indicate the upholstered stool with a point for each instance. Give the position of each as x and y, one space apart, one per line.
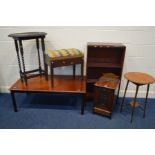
138 79
64 57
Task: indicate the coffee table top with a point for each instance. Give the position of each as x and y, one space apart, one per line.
139 78
27 35
62 84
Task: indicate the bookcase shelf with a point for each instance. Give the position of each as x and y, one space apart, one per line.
103 58
105 65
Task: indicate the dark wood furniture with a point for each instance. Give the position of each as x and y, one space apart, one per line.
63 61
139 79
18 38
63 85
104 58
104 94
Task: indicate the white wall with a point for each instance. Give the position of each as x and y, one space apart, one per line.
140 51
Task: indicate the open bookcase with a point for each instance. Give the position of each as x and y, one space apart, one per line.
103 58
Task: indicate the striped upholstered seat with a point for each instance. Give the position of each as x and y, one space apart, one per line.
63 57
63 53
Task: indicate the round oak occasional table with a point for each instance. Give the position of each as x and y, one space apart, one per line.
139 79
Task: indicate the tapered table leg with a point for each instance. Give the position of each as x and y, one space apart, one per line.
148 86
124 96
14 102
83 104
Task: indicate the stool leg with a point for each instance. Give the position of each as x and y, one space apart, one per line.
124 96
82 65
148 86
134 102
74 67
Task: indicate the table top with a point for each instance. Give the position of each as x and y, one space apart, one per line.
139 78
62 84
27 35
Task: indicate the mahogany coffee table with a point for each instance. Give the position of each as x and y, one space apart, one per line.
63 85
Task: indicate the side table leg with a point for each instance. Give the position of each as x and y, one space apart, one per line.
14 101
148 86
118 92
83 104
43 50
23 61
18 56
124 96
39 61
134 102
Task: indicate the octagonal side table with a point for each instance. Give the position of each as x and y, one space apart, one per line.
18 38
